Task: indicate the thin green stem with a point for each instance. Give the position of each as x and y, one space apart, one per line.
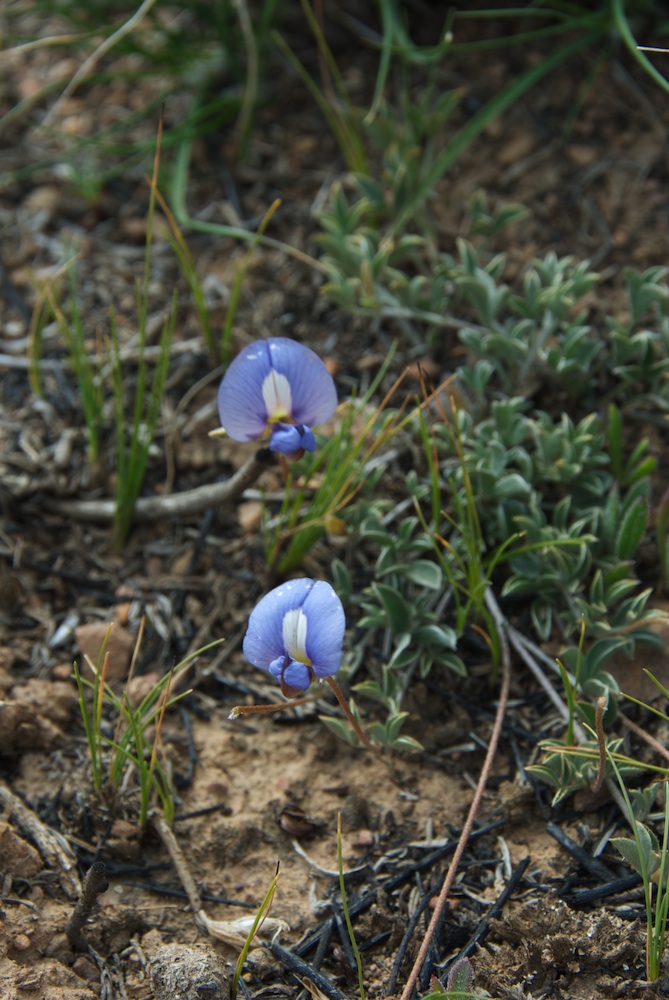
255 927
178 188
651 972
622 24
347 915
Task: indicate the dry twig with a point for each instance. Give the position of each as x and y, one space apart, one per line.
95 883
501 625
182 504
53 848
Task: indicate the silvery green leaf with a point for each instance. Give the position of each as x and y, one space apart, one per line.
425 574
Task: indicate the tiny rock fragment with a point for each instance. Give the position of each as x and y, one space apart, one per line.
517 148
18 856
21 942
21 728
364 838
43 199
53 700
120 645
85 969
140 687
249 515
123 613
180 564
62 672
582 155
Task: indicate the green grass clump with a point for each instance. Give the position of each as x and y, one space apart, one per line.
134 749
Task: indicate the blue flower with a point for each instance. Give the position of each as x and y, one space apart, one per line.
276 386
296 633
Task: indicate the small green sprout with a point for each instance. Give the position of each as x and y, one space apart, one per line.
130 750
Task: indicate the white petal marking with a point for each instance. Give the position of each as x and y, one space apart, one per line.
294 633
277 396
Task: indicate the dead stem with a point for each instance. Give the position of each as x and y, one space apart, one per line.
501 625
149 509
166 834
54 849
90 63
273 707
642 734
94 884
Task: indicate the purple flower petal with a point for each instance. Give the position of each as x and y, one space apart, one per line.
277 667
274 380
325 629
296 675
285 438
263 642
313 390
289 438
308 440
296 630
241 405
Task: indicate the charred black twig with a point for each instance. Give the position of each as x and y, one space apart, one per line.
302 970
217 807
207 897
404 943
432 956
584 897
94 884
202 533
596 868
344 939
495 910
323 942
394 882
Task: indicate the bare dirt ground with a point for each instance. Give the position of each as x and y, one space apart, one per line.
265 791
